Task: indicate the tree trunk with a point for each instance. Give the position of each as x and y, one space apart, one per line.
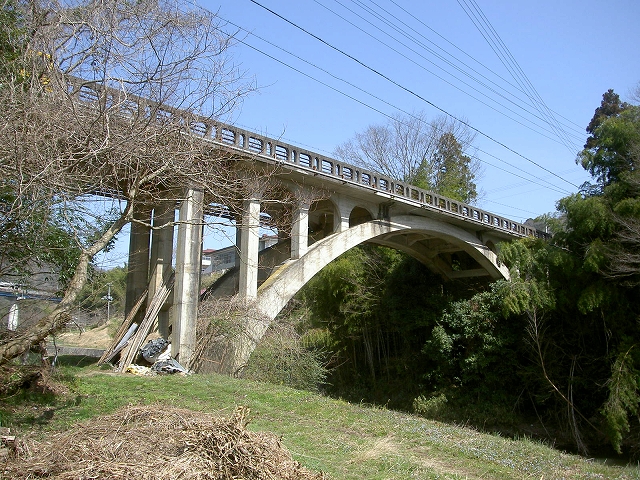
16 346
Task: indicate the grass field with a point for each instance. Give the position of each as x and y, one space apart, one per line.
343 440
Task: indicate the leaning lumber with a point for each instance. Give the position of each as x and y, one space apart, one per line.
147 323
109 353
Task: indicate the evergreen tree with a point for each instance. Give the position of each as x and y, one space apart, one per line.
611 106
452 173
612 146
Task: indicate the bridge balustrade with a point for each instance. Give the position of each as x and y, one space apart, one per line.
129 105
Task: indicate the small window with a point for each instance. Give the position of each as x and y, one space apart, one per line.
282 153
198 128
305 160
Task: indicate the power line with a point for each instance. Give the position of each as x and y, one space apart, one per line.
578 128
494 40
532 178
511 207
497 49
417 41
411 92
511 186
404 28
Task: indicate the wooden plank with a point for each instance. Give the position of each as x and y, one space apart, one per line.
147 323
122 331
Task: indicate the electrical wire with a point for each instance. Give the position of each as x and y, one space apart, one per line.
576 127
494 40
411 92
416 41
532 178
403 28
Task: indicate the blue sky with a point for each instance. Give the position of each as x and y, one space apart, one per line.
361 60
570 51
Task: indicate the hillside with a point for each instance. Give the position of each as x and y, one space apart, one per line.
342 440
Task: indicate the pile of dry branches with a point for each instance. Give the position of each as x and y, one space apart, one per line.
157 442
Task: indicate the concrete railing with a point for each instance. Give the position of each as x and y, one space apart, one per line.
274 150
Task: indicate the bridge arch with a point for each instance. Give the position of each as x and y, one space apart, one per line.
402 232
292 275
321 219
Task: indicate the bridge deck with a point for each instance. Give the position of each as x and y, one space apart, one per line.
252 145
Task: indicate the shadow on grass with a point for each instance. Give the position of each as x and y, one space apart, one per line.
75 361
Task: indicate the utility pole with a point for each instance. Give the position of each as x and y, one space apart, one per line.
109 299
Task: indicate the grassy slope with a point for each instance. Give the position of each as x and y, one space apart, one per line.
345 441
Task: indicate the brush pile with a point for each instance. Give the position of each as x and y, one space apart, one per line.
157 442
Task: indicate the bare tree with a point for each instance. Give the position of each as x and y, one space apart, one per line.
635 94
406 148
90 109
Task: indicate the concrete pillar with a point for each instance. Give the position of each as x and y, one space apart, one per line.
138 264
161 257
341 223
186 290
300 231
249 245
238 241
343 210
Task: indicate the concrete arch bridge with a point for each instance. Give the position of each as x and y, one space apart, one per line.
325 207
334 207
331 207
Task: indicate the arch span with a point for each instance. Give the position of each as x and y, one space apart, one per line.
404 232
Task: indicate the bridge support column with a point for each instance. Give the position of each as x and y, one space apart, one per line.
238 242
300 231
342 224
138 263
341 218
187 283
249 246
161 257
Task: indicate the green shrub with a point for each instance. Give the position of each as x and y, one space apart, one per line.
281 359
623 399
432 407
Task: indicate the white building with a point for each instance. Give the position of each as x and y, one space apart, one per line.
225 258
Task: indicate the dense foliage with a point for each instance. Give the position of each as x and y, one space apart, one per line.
587 332
558 343
396 331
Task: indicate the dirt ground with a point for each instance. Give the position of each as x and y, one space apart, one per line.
97 337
